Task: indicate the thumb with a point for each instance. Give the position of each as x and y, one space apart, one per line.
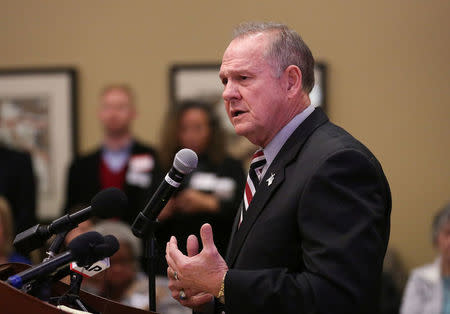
192 245
206 234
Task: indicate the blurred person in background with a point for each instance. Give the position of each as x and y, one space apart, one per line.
121 161
428 287
7 253
212 192
18 186
123 282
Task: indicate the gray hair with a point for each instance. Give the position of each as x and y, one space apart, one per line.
122 232
441 218
287 48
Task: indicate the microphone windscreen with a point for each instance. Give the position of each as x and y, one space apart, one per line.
83 247
110 202
185 161
108 248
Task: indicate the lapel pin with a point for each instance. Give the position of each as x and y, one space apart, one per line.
270 180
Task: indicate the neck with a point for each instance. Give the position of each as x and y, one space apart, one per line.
295 111
116 142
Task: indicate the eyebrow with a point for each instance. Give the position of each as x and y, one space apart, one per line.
239 71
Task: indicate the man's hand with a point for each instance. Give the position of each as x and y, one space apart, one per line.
199 276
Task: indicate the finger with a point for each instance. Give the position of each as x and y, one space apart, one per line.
201 299
192 245
174 256
170 262
207 236
171 273
174 286
197 301
172 244
174 241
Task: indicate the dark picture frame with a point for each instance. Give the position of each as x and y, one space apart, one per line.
38 114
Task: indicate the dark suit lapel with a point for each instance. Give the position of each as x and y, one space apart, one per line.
275 176
234 228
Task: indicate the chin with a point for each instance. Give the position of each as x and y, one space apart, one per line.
241 131
254 139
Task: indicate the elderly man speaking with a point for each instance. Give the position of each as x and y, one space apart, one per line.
313 227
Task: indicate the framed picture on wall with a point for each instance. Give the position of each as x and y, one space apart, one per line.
201 82
38 115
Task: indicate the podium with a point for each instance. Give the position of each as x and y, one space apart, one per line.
14 301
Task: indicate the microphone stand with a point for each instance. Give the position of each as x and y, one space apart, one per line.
146 231
146 221
150 256
56 245
72 298
42 288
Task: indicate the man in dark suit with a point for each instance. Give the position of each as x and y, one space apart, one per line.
18 186
120 162
312 237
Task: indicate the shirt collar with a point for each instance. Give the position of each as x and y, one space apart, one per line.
126 149
272 149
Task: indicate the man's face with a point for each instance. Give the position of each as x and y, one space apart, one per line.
255 99
116 112
194 130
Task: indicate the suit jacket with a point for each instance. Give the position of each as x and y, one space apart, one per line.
312 241
18 186
84 182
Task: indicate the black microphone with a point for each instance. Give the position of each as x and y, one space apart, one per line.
107 249
85 249
184 162
107 203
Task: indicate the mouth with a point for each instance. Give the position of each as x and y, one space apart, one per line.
236 113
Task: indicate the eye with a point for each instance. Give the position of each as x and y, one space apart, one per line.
243 77
224 81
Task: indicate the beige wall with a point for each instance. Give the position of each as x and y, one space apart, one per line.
388 74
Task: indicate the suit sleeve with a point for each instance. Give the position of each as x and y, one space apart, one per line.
342 216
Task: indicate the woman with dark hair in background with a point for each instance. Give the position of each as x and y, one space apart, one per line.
213 191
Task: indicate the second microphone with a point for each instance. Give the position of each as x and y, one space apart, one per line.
185 162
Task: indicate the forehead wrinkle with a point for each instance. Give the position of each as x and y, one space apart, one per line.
241 64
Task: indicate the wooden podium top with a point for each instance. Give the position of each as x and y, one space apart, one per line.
15 301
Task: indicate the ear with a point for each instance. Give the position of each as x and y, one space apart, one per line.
294 80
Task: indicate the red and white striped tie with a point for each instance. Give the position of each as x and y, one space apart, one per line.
253 178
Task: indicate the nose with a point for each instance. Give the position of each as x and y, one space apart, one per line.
231 91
